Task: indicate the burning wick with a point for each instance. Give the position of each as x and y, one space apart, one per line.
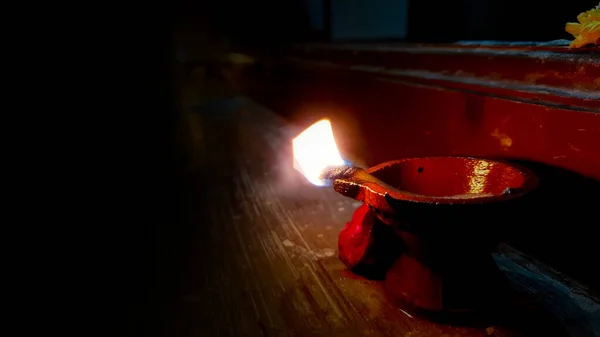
315 151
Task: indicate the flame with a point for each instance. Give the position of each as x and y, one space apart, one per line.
315 150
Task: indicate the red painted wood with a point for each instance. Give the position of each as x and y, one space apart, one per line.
553 119
554 67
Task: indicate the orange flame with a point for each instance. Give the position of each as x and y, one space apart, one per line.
315 150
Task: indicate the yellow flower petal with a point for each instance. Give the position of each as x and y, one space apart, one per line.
573 28
587 31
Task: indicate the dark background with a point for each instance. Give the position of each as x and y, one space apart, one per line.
267 22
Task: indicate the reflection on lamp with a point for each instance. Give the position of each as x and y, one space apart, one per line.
478 179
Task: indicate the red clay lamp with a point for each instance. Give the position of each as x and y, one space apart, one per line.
427 226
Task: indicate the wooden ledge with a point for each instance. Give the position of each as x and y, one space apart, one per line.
557 76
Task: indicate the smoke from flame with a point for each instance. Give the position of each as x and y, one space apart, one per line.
315 150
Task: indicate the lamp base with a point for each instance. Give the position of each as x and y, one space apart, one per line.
422 277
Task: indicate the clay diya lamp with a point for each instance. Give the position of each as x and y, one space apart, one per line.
428 226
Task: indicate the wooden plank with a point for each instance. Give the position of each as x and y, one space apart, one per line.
545 67
263 252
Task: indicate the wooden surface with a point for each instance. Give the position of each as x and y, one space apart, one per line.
262 255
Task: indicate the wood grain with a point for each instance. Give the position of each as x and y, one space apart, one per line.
262 257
